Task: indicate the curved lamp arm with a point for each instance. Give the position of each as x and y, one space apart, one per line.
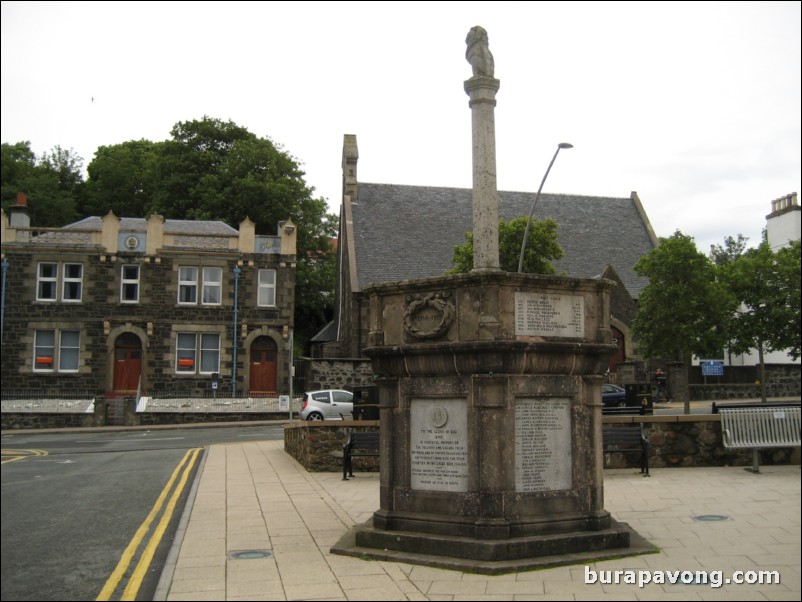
560 146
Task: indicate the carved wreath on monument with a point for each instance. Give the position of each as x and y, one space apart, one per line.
437 303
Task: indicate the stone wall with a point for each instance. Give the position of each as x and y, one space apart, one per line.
684 441
100 318
321 373
674 441
30 420
317 446
782 380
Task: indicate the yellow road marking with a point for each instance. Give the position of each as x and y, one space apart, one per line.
128 554
140 572
12 455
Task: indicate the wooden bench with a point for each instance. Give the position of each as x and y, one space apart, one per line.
760 427
359 444
627 439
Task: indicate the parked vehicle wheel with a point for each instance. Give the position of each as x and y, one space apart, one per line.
315 416
622 403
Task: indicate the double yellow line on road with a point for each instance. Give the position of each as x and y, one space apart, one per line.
184 468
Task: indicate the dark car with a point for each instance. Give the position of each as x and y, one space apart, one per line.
613 396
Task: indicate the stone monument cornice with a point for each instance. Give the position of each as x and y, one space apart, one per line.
482 82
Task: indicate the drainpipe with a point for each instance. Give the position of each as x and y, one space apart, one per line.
292 367
236 271
4 265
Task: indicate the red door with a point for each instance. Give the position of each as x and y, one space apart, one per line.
263 366
127 363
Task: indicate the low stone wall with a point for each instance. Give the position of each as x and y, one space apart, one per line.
727 391
30 420
738 382
318 445
690 440
145 418
675 441
20 420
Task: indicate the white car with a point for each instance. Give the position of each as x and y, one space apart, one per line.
329 404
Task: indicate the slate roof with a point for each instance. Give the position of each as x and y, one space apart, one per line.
403 232
171 226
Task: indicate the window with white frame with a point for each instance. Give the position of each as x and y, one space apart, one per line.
190 346
187 285
69 349
212 286
210 353
72 282
51 357
267 288
129 284
47 282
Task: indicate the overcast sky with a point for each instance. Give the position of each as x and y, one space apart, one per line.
696 106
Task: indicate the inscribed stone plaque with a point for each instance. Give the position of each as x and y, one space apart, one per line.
543 451
439 444
549 315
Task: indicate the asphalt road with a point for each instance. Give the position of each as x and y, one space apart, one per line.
72 503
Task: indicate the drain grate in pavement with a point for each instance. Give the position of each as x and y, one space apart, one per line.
711 517
249 554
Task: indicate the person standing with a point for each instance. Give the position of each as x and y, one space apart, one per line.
662 385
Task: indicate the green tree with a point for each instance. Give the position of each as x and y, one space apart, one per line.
731 250
193 171
789 268
683 311
314 285
17 165
767 286
541 248
52 182
121 179
217 170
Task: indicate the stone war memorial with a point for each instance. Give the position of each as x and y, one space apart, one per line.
489 387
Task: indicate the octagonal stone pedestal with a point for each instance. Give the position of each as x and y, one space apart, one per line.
490 409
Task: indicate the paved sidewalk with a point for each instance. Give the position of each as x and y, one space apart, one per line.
253 497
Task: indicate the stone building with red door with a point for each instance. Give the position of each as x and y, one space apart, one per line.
131 306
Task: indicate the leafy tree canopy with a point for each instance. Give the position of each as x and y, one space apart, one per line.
731 250
52 182
209 169
122 179
684 309
541 248
767 285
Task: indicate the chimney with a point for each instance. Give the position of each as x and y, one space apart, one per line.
350 158
19 215
783 224
783 204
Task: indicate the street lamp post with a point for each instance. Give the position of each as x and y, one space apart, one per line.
236 271
561 145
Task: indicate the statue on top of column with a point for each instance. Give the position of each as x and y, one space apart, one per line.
478 53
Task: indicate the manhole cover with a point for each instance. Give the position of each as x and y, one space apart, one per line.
711 517
250 554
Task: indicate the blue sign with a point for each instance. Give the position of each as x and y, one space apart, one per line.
712 369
